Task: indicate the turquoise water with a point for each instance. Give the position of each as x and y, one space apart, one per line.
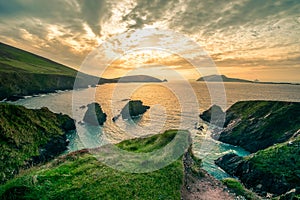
174 105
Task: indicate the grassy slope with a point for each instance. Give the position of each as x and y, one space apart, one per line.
263 123
80 176
281 160
23 131
23 73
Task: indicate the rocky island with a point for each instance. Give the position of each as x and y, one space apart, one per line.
133 108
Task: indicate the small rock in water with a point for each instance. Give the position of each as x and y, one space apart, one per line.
133 108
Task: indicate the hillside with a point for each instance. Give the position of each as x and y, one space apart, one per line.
23 73
256 125
222 78
28 137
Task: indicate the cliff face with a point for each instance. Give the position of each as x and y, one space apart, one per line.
28 137
256 125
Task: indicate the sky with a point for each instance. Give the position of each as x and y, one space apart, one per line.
251 39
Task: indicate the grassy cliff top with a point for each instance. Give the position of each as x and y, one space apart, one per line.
256 125
281 160
80 175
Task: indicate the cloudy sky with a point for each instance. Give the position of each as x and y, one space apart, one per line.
253 39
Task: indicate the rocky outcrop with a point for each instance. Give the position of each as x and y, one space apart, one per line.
256 125
214 115
273 170
94 115
133 108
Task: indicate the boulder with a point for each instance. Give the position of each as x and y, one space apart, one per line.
133 108
94 115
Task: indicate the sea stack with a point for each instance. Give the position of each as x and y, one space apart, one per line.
94 115
133 108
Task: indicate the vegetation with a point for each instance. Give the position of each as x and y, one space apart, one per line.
80 175
238 188
281 160
274 170
26 137
148 144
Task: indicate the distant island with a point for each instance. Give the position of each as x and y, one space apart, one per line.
223 78
135 78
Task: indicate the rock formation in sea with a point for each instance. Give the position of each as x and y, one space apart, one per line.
214 115
133 108
94 115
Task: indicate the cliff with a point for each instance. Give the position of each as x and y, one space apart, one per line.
29 137
256 125
274 170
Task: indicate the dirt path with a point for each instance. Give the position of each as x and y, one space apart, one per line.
202 188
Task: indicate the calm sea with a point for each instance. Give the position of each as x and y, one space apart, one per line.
174 105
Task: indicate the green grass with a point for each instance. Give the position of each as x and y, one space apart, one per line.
148 144
80 175
22 132
236 187
17 60
281 160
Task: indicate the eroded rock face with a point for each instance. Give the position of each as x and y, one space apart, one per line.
94 115
133 108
